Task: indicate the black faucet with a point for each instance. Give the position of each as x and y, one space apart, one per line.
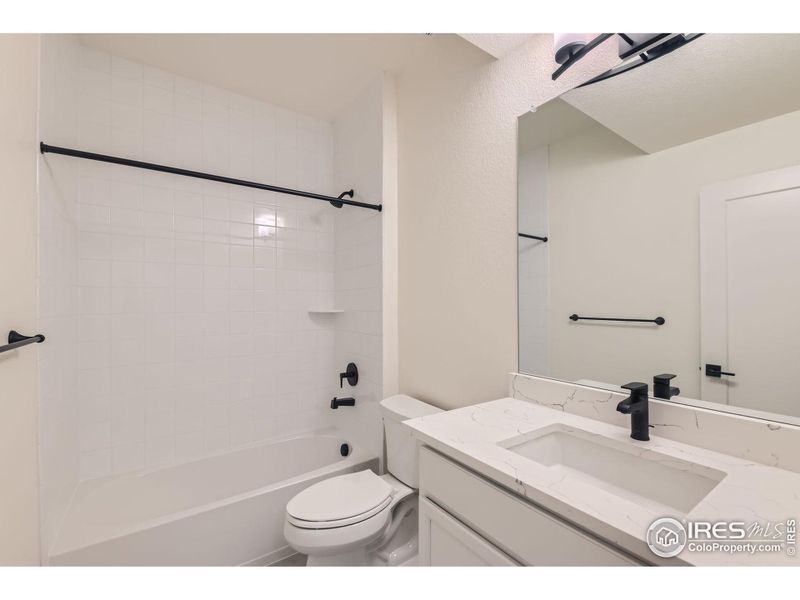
351 374
637 405
662 388
337 402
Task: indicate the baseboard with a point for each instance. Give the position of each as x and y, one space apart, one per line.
270 558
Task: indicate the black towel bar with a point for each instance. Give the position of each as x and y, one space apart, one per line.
17 340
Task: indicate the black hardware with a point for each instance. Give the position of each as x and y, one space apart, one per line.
533 237
17 340
657 320
351 374
650 49
637 406
662 388
580 53
716 371
337 202
337 402
647 52
641 46
344 449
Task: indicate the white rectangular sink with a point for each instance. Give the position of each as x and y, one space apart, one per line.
626 470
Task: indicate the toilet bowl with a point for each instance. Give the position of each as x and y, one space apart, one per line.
346 520
364 519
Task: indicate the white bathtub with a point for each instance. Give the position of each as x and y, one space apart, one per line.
222 510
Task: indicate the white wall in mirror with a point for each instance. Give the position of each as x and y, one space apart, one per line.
624 240
624 235
534 289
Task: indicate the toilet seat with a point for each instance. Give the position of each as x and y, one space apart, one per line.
340 501
364 505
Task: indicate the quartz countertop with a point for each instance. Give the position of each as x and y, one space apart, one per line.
749 492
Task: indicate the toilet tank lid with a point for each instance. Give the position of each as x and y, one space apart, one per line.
402 407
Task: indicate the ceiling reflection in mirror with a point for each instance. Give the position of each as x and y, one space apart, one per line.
669 197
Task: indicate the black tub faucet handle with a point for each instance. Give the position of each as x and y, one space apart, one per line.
351 374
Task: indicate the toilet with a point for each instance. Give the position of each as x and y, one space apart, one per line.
364 519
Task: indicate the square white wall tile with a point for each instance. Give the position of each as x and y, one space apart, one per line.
192 295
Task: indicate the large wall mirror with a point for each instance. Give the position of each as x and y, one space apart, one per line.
669 194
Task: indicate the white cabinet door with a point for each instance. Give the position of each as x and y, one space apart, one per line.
445 542
510 524
750 290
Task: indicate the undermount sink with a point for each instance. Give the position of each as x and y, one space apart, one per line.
629 471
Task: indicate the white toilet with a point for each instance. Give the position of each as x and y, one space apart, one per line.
363 518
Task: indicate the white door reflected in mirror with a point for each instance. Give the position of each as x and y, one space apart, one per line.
750 290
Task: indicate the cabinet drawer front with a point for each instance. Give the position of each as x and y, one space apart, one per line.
519 528
444 542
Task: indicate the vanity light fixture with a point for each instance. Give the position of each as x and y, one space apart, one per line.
571 50
635 49
566 45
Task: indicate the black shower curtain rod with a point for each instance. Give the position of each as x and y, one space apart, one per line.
337 202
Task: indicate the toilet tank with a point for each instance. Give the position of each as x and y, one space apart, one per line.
401 447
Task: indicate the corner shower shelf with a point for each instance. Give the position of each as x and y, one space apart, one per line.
325 311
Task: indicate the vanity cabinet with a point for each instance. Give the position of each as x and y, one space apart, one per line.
446 542
467 520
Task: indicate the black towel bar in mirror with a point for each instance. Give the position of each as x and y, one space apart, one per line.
657 320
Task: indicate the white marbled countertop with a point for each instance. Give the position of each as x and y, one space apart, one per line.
749 492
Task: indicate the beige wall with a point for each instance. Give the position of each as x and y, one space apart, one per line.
391 383
19 515
457 123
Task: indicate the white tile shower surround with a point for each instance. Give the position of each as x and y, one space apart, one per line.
757 440
359 328
204 341
192 297
358 163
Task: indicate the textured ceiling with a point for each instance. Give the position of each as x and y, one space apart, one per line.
496 44
316 74
716 83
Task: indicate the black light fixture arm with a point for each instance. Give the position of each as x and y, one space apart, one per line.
338 202
579 54
640 50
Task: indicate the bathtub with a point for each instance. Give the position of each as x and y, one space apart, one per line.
226 509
